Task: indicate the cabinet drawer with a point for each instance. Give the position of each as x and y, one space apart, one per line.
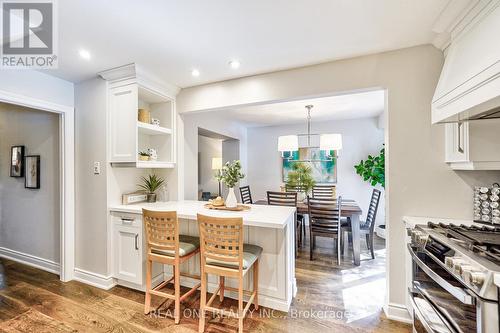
126 219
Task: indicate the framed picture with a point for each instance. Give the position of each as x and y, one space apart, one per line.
17 161
324 168
32 179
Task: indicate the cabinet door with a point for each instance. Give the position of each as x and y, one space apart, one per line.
127 253
457 142
123 105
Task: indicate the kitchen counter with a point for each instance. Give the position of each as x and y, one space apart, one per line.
270 227
257 216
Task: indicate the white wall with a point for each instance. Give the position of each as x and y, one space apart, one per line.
30 218
360 137
37 85
189 145
418 181
208 148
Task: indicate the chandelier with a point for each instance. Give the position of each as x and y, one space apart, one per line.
287 144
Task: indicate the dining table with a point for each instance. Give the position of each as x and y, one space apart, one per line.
351 210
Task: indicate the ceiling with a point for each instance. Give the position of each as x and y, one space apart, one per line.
351 106
171 38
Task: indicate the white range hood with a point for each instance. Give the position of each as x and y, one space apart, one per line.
469 85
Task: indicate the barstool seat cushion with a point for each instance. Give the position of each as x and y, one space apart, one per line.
250 254
187 244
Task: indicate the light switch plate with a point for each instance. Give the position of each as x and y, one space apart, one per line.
97 168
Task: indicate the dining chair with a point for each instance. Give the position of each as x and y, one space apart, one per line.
324 221
287 199
300 217
324 191
246 195
164 245
367 227
223 253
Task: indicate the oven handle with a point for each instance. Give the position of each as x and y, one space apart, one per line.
420 316
458 293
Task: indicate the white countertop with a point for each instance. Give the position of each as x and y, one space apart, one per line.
258 215
412 221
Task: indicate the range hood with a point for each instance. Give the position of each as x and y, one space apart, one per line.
469 85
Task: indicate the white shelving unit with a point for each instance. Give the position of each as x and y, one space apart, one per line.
128 136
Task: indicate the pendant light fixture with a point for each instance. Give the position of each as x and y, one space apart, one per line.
287 144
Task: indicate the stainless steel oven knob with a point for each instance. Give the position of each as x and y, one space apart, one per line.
474 277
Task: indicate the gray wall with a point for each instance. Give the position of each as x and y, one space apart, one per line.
91 190
30 219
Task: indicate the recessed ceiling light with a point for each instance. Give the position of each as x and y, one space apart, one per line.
85 54
195 72
234 64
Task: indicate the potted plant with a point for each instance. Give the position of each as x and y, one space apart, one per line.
300 179
373 169
230 175
143 156
150 185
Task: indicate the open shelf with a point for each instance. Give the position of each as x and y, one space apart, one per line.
155 165
149 129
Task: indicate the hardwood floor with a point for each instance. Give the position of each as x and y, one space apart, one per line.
329 299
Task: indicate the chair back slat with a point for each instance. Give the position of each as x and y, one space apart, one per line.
221 239
324 191
372 209
246 195
324 213
161 229
282 198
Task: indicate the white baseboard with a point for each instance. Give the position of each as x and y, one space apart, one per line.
94 279
31 260
398 312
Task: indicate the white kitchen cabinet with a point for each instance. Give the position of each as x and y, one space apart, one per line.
123 105
473 145
127 252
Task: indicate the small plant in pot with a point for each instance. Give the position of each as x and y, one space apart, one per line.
230 175
150 185
143 156
300 179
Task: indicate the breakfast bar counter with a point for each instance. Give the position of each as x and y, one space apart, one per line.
270 227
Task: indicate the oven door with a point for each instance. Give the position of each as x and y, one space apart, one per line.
441 302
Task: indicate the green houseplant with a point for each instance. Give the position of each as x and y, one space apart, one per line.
150 185
373 169
230 175
300 179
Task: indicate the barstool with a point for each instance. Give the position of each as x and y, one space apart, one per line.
223 253
166 246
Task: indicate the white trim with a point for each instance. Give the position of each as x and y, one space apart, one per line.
94 279
67 174
397 312
30 260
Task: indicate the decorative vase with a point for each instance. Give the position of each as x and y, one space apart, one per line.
231 199
144 116
301 196
151 197
143 158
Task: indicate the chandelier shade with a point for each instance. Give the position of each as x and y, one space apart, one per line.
288 143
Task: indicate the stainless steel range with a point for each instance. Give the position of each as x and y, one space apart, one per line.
453 278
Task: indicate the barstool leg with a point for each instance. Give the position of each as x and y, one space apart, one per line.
240 305
203 300
256 284
147 301
177 289
221 284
